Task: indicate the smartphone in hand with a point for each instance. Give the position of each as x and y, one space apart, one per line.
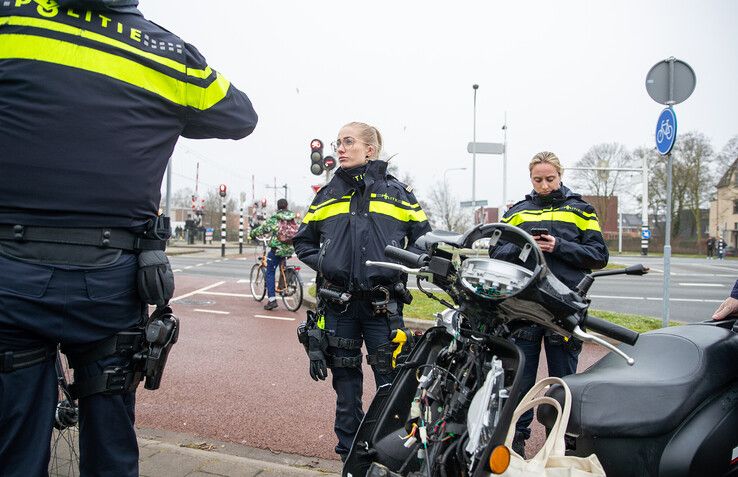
538 231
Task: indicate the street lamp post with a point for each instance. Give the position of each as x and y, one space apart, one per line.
451 169
474 154
504 165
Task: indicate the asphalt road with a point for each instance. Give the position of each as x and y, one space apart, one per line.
697 285
238 374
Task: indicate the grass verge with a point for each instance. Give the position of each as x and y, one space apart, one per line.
424 308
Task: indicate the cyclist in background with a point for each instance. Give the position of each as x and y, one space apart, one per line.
282 227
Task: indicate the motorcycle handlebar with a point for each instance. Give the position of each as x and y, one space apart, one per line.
611 330
409 259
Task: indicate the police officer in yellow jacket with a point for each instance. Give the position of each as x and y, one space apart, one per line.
568 232
93 98
359 212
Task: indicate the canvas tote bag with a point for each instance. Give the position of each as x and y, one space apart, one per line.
550 461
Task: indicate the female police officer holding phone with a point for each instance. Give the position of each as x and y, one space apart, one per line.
352 219
567 230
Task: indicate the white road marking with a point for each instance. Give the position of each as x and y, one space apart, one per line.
269 317
199 264
187 267
197 291
700 285
648 298
176 270
215 312
244 280
613 297
241 295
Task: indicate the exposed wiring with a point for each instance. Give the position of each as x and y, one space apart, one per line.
435 366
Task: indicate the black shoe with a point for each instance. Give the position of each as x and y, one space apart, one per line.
518 445
271 305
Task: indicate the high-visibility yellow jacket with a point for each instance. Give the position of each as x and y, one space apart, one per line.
579 247
348 224
93 98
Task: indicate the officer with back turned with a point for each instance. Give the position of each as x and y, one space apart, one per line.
93 98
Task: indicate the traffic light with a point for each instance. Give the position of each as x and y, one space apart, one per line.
316 157
222 190
329 163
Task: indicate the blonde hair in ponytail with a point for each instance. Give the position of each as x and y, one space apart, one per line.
369 135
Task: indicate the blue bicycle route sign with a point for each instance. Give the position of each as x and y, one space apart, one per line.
666 131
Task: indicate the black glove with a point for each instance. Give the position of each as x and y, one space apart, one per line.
317 344
155 277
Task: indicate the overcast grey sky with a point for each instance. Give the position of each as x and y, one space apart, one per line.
570 74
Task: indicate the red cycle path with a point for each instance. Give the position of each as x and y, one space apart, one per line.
237 377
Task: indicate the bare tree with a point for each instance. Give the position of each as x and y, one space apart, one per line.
182 198
213 213
692 158
443 209
695 155
603 183
727 156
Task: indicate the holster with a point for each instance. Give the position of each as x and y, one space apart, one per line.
401 342
162 331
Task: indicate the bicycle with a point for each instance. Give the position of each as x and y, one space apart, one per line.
64 457
664 131
289 282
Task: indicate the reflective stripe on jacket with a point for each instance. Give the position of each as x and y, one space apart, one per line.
92 102
580 246
345 227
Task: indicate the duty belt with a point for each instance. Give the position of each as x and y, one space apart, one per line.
336 293
98 237
13 360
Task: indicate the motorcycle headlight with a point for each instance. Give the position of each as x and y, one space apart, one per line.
493 279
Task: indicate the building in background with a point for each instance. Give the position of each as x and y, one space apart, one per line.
724 207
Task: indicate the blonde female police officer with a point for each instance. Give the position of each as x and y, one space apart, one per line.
359 212
572 245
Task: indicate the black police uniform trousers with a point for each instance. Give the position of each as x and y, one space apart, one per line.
357 321
562 357
42 305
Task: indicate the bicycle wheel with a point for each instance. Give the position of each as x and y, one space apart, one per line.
258 284
292 294
64 458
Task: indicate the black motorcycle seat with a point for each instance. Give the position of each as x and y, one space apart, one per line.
676 369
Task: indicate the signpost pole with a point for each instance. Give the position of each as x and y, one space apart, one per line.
667 242
474 154
644 209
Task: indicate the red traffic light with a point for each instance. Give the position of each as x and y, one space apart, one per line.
329 162
316 157
222 190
